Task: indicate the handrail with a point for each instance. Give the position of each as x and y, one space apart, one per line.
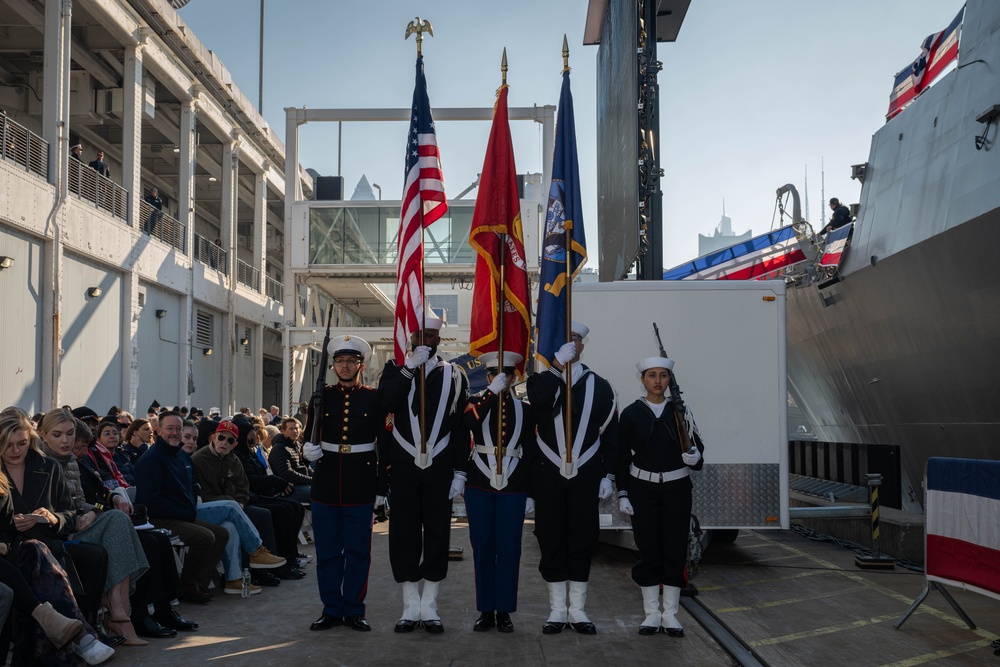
101 191
160 225
210 254
247 275
23 147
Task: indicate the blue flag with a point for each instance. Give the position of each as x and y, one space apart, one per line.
565 214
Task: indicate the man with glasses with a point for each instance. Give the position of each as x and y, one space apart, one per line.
344 486
566 495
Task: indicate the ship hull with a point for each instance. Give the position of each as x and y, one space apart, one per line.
906 351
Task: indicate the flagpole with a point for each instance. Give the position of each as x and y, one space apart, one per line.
500 303
568 411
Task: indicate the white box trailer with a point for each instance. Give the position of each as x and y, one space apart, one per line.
727 339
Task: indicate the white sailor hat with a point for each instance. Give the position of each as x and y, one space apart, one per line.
214 411
352 345
654 362
431 321
510 359
580 329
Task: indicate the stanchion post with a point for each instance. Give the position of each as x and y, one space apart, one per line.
876 561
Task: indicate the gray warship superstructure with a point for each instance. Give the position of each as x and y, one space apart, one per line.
902 345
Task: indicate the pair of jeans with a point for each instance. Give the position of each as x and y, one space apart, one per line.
242 534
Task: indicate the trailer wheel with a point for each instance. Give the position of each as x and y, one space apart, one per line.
726 536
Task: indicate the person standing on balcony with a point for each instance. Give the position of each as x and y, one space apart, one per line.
76 152
99 165
155 203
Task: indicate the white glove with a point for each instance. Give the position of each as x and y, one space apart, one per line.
625 506
604 490
499 383
379 501
457 487
691 457
418 357
565 354
529 506
312 452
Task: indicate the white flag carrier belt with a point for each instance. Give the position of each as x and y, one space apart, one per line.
659 477
439 445
348 449
560 459
511 455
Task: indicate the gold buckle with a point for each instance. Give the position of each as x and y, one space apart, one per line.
345 449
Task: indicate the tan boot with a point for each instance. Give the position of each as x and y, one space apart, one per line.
58 628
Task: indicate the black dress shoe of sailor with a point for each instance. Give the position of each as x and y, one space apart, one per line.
674 632
646 630
357 622
586 628
504 624
171 619
147 627
553 628
405 625
325 622
434 627
485 621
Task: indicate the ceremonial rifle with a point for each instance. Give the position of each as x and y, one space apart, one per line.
316 436
675 397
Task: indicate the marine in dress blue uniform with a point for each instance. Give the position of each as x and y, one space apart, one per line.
423 484
344 486
654 488
566 497
496 502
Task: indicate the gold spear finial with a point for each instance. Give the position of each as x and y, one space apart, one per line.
503 67
565 54
417 28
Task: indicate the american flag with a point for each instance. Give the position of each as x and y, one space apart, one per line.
423 203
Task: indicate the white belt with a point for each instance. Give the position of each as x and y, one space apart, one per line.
659 477
348 449
513 452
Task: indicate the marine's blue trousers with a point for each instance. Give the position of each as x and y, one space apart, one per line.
343 539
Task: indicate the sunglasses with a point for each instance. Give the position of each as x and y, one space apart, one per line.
227 438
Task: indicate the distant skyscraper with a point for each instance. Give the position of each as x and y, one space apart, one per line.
723 236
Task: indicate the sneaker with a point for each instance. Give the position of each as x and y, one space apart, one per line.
235 587
94 652
301 557
264 559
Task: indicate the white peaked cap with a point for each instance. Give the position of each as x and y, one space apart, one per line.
490 359
655 362
580 329
349 345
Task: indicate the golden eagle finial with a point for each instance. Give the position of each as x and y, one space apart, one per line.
415 27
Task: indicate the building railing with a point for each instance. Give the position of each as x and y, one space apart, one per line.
101 191
162 226
248 275
23 147
210 254
273 289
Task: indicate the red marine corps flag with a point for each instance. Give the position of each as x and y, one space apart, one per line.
423 203
501 274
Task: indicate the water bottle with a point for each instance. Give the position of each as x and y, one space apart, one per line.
246 582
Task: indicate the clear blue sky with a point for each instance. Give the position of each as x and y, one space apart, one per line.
751 92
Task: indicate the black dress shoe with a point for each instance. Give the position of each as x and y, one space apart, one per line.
434 627
289 572
171 619
357 622
265 578
325 622
485 621
405 625
646 630
586 628
108 640
674 632
504 624
147 627
553 628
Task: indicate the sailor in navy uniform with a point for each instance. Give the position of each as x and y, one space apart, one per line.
496 502
344 486
654 488
423 480
566 494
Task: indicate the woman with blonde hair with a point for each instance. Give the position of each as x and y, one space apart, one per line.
106 525
25 538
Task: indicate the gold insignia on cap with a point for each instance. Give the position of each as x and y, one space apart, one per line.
347 338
